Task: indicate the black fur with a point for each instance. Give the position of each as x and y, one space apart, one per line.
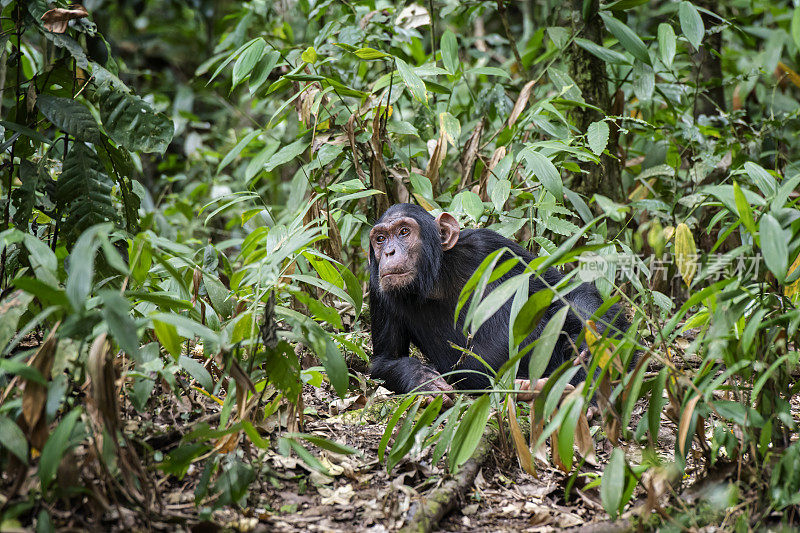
423 313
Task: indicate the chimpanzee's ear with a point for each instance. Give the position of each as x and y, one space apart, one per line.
448 229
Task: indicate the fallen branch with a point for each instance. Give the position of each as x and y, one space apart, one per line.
426 514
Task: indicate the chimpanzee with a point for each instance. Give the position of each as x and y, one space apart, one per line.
418 266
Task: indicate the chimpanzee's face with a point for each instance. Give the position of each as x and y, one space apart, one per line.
397 245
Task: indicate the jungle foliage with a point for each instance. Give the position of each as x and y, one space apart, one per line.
186 191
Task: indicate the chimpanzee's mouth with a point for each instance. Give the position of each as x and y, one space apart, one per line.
398 273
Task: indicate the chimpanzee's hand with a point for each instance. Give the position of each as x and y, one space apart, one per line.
535 390
434 382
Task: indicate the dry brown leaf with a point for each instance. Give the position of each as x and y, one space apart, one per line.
197 278
377 166
583 438
34 397
103 381
435 162
685 422
56 20
783 69
522 101
537 427
351 137
332 246
520 446
470 154
423 202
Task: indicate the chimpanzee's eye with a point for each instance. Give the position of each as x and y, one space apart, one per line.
379 239
404 232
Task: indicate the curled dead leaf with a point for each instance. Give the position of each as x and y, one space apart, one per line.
522 101
470 154
685 422
435 162
521 448
34 396
56 20
103 381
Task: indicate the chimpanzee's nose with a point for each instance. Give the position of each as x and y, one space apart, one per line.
389 252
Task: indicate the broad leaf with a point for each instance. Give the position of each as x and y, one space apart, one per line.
626 37
691 24
132 122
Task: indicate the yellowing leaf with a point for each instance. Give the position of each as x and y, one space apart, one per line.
793 290
685 253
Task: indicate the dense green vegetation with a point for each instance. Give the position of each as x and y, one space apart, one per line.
186 191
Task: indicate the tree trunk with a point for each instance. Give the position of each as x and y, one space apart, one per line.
589 74
708 68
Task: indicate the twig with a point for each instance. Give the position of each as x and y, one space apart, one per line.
441 501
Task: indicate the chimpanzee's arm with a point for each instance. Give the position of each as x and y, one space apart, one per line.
390 361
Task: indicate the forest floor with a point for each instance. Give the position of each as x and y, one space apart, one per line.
360 495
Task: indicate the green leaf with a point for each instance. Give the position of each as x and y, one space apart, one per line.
611 208
286 154
326 444
195 369
446 436
12 307
247 61
644 81
236 150
81 267
413 82
613 483
609 56
309 55
404 440
472 204
451 128
774 245
761 178
469 432
489 71
626 37
500 194
544 170
117 315
566 433
168 337
70 117
261 71
795 27
744 210
657 402
495 300
56 446
370 54
691 24
83 190
13 439
421 185
190 328
543 350
231 57
449 47
387 433
530 314
597 136
132 122
666 43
